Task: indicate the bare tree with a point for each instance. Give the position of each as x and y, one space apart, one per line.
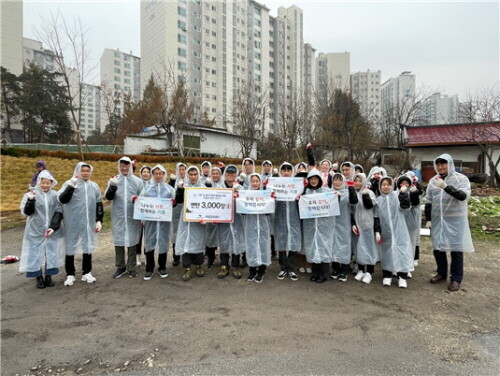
248 113
60 36
395 116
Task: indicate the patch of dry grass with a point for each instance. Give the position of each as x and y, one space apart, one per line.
16 173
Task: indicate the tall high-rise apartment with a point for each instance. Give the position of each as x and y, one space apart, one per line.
218 47
12 36
439 109
397 90
365 90
334 69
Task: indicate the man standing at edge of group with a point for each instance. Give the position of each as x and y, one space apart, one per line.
446 213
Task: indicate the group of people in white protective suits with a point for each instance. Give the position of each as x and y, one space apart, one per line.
379 221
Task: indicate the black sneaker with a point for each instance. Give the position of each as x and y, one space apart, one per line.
163 273
282 274
148 276
342 277
132 274
293 276
334 275
259 278
251 276
176 262
119 273
39 282
48 281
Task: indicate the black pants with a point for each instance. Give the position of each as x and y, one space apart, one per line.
150 261
235 260
176 257
139 246
367 268
273 249
388 274
340 268
69 264
456 268
192 258
287 262
417 253
320 270
259 270
210 253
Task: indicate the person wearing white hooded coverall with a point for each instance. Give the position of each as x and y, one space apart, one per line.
446 213
175 181
83 216
396 255
147 179
287 231
122 190
342 225
43 244
211 247
266 173
257 238
157 233
317 233
191 236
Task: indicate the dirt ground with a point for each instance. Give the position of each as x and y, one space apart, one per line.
211 326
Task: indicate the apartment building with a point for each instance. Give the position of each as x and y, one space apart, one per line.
365 90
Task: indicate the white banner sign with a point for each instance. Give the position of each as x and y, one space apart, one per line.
208 204
255 202
319 205
286 189
153 209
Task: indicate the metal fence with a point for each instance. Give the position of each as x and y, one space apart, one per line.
111 149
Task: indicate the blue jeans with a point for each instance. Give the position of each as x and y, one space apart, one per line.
38 273
456 268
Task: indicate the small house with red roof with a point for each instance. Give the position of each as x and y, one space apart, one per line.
466 143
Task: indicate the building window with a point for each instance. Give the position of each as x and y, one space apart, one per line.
181 39
181 25
181 52
117 70
181 11
182 66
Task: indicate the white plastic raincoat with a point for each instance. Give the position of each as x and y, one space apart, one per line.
80 214
396 253
191 236
156 233
37 250
317 234
177 210
287 229
203 178
126 230
257 237
246 183
212 240
450 225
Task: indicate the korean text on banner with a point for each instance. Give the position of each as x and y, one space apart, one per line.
208 205
255 202
153 209
286 189
319 205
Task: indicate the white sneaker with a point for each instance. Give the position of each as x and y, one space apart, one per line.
387 281
415 263
89 278
367 278
359 275
302 270
138 260
402 283
309 270
409 275
69 280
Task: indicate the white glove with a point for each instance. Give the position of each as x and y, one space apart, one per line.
403 189
332 173
31 195
275 171
378 238
335 166
441 183
74 181
98 226
242 176
173 177
181 184
428 224
49 232
413 188
114 180
236 186
365 191
208 180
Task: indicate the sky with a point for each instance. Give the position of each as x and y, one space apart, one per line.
451 47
